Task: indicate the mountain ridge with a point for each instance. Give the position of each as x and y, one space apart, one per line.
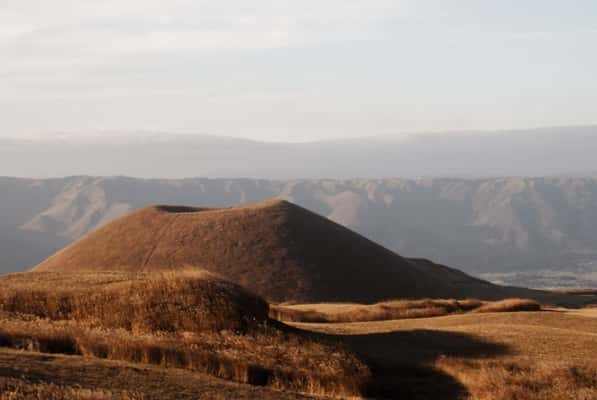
531 152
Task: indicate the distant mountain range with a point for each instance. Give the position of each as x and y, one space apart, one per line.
527 231
540 152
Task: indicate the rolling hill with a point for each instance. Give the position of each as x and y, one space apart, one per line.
188 319
276 249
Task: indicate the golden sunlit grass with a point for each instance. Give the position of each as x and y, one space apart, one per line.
267 357
16 389
520 380
509 305
395 309
196 322
185 301
24 375
185 320
483 356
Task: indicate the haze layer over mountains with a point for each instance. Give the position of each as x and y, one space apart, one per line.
540 152
497 228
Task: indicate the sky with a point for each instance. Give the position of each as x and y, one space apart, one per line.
297 70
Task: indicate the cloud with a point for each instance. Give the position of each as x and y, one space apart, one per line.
194 25
290 64
58 40
65 45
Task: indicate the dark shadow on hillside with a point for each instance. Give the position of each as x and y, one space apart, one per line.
421 346
402 361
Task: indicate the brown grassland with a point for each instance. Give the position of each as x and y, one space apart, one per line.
29 375
189 320
13 389
481 356
189 300
193 335
395 309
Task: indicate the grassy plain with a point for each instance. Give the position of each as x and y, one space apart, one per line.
191 335
480 356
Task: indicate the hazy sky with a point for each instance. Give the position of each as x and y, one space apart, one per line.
295 70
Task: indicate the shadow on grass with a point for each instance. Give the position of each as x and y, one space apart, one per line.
402 361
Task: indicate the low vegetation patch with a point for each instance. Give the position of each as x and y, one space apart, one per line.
20 389
507 380
396 309
510 305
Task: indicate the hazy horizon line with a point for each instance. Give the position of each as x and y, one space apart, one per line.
140 133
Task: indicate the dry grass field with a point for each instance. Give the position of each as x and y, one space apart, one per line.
189 300
395 309
479 356
192 335
189 320
36 376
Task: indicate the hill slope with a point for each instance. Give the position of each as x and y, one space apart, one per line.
276 249
55 376
506 225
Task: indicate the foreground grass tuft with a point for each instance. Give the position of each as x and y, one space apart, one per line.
16 389
508 380
510 305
